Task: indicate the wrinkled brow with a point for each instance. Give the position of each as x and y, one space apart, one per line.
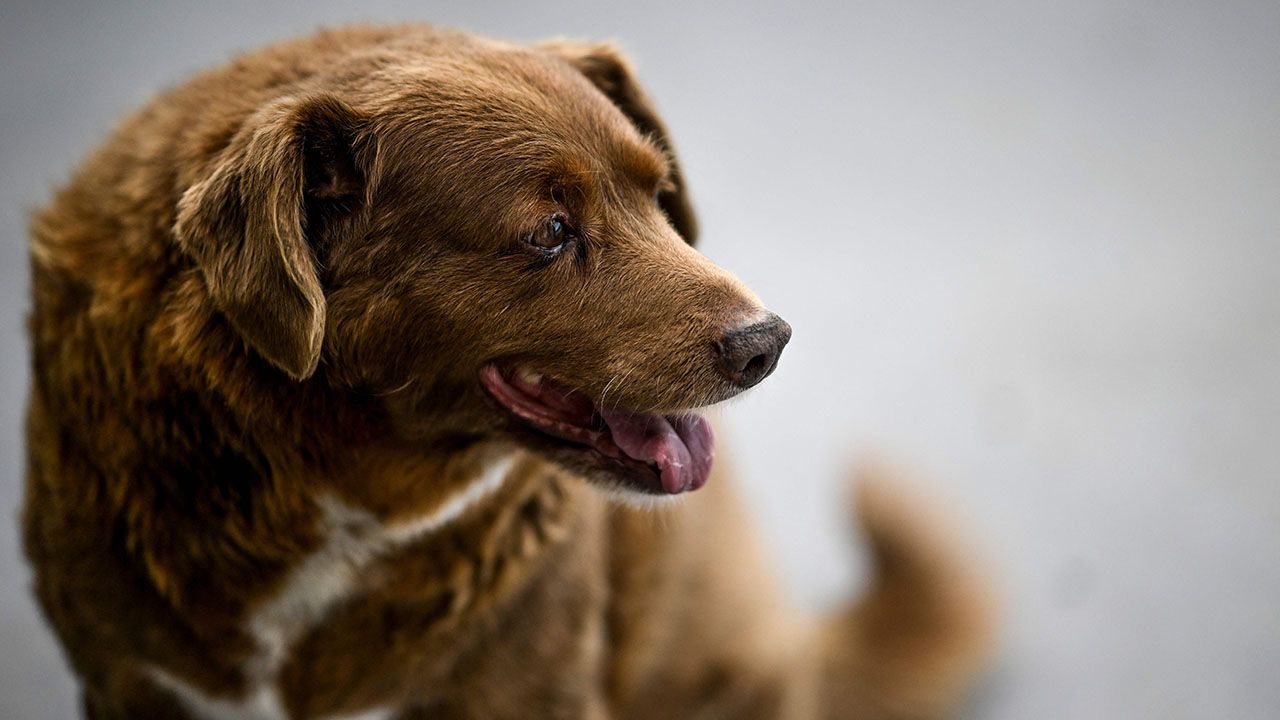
643 162
639 161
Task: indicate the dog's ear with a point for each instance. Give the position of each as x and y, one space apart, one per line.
251 222
608 69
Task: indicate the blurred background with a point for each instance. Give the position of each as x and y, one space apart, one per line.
1030 249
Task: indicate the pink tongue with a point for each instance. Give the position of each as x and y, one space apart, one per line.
681 447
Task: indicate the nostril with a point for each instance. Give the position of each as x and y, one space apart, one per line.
755 366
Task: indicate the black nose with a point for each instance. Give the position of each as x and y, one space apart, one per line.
747 355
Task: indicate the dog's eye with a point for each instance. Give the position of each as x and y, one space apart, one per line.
552 236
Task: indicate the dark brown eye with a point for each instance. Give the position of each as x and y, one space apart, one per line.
552 236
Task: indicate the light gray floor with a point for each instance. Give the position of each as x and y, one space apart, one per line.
1032 248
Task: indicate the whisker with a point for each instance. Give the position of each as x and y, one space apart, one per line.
393 391
605 393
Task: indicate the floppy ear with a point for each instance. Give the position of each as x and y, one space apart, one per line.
247 224
608 69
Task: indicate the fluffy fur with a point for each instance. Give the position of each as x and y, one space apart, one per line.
264 482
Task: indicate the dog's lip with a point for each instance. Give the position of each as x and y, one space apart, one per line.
673 454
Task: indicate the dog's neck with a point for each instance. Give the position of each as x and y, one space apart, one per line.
232 478
378 535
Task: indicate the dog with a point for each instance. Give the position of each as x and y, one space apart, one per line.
366 371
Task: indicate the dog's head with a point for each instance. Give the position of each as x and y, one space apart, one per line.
496 243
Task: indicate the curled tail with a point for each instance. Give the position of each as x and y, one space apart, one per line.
913 644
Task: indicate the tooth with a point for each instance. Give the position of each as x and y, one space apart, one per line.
530 377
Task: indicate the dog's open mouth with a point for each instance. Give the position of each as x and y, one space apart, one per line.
660 454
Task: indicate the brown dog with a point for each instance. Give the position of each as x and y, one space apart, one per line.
326 342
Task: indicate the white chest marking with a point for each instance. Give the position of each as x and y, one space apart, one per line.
353 538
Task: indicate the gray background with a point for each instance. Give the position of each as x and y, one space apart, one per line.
1032 249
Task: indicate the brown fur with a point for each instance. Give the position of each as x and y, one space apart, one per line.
276 283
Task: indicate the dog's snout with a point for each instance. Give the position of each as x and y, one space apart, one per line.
747 355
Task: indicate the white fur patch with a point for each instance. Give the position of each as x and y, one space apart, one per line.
261 703
353 537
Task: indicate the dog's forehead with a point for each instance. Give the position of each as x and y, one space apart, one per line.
511 102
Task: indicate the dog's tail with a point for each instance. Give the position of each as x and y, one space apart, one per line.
914 643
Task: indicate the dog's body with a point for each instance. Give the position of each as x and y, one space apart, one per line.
287 458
